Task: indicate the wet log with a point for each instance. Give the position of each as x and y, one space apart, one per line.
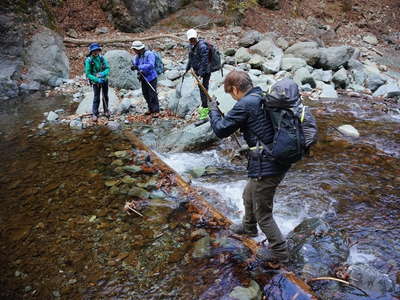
199 205
85 42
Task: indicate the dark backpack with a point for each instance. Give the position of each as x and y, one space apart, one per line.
214 58
294 125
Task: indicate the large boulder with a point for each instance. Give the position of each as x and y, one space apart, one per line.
333 58
188 138
121 76
306 50
46 59
250 38
9 73
85 107
315 248
186 98
137 15
273 55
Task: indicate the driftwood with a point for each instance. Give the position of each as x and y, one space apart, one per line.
79 42
198 205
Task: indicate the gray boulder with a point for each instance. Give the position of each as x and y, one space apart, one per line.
333 58
374 81
242 55
256 61
327 90
273 55
368 278
315 248
370 39
173 74
9 72
189 100
340 78
321 75
303 76
306 50
121 75
137 15
387 90
282 43
85 106
292 63
250 38
188 138
46 58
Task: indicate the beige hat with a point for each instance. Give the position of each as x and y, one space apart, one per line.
191 34
137 45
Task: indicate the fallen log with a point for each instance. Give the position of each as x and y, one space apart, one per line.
200 206
85 42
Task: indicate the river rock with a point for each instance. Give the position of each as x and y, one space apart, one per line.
252 292
321 75
368 278
188 138
189 100
340 78
173 74
306 50
281 287
387 90
292 63
137 15
303 76
242 55
282 43
202 247
349 130
315 248
85 106
121 76
250 38
370 39
46 59
76 124
230 52
114 125
52 116
374 81
256 61
333 58
327 90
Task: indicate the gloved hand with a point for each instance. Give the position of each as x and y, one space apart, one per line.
213 103
100 74
134 68
101 80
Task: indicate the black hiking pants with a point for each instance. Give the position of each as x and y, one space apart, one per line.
151 96
258 200
97 87
206 81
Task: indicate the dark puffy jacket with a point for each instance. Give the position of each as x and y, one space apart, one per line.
198 59
248 116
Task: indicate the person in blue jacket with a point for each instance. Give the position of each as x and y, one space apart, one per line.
144 64
248 116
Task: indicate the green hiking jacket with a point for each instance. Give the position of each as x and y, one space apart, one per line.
95 65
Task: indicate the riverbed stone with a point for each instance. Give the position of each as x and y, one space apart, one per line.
374 81
349 130
52 116
121 76
250 38
85 106
251 292
370 39
369 278
321 75
303 76
340 78
292 63
315 248
202 247
76 124
306 50
242 55
333 58
327 90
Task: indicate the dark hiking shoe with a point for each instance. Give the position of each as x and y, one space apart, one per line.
266 255
147 113
201 122
107 114
239 229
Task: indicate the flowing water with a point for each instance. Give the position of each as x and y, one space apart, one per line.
64 235
352 183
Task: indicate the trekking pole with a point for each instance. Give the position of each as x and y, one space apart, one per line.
209 98
144 78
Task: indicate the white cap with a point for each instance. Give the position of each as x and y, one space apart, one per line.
137 45
191 34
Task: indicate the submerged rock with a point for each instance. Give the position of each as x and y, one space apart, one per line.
252 292
349 130
315 248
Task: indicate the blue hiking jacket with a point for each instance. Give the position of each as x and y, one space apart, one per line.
146 64
248 116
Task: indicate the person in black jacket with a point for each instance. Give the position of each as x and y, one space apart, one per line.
199 61
264 174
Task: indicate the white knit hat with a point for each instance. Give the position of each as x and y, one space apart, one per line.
191 34
137 45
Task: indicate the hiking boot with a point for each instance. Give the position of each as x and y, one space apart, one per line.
155 115
239 229
107 114
203 113
267 255
147 113
94 118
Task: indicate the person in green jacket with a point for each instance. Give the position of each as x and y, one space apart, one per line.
97 70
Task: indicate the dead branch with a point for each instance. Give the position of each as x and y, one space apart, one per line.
338 280
85 42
